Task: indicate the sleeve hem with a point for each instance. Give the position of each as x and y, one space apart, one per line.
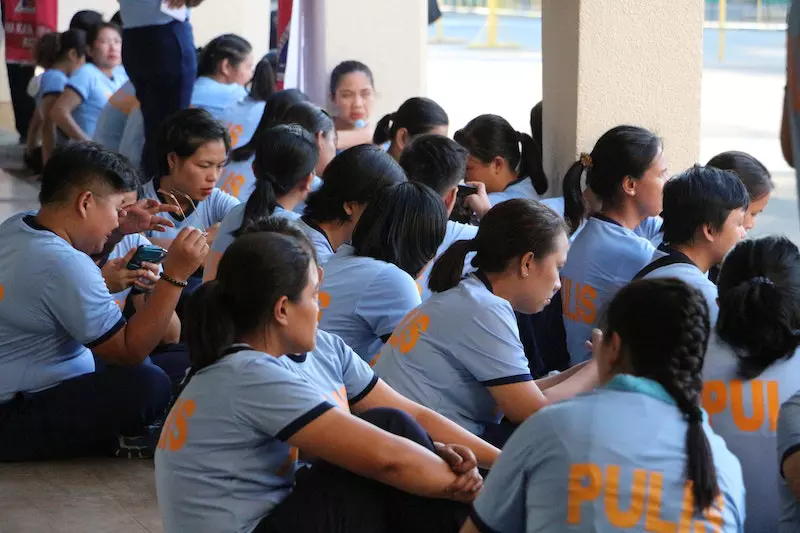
108 334
520 378
76 91
480 525
788 453
361 395
302 421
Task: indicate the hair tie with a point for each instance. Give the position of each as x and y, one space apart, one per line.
586 160
761 280
695 416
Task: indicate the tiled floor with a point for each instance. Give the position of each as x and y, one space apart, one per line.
112 495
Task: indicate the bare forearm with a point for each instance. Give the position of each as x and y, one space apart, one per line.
416 470
67 124
583 380
552 381
444 430
150 325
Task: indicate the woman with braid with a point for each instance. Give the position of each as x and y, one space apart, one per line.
751 368
634 455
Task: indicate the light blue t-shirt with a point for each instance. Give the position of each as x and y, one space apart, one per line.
53 82
602 259
214 96
316 183
447 352
210 211
223 461
54 307
521 188
233 221
455 231
651 229
95 89
238 179
670 263
111 123
745 414
363 299
132 142
318 238
788 445
128 243
607 461
139 13
242 118
341 376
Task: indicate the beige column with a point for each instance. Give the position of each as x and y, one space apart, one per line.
247 18
390 36
623 61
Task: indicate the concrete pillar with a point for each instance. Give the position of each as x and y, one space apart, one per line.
390 36
627 61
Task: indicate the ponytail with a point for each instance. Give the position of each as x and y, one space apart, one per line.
530 162
667 344
209 327
261 204
383 130
447 270
229 46
574 202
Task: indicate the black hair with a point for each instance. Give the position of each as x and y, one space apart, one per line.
94 33
403 225
117 19
186 131
354 175
508 231
490 136
621 152
759 302
311 117
227 46
80 165
751 171
85 20
281 225
54 47
417 115
277 104
348 67
285 157
697 197
254 273
663 326
264 80
438 162
536 124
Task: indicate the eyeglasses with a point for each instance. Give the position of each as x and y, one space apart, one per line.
172 199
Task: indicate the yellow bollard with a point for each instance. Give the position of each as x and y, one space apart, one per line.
491 30
723 15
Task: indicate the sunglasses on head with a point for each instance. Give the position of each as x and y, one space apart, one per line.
172 199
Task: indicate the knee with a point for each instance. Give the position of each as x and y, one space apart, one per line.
146 389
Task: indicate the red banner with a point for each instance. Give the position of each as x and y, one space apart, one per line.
26 21
284 23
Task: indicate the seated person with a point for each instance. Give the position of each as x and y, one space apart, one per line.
751 366
704 213
241 118
248 410
56 311
634 455
224 67
626 171
459 353
369 286
284 168
191 151
78 108
416 116
351 180
440 163
112 120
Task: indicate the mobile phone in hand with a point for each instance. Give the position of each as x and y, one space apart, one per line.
466 190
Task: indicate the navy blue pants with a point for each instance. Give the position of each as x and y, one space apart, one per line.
329 499
84 416
161 62
19 76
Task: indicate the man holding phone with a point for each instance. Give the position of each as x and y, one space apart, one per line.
56 312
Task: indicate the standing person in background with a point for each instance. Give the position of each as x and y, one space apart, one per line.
39 18
352 92
160 58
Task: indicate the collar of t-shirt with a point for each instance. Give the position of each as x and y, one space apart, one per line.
673 257
236 348
604 218
480 276
316 227
646 386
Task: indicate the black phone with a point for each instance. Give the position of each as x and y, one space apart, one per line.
466 190
146 253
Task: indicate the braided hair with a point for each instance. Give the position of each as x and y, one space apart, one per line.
668 345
